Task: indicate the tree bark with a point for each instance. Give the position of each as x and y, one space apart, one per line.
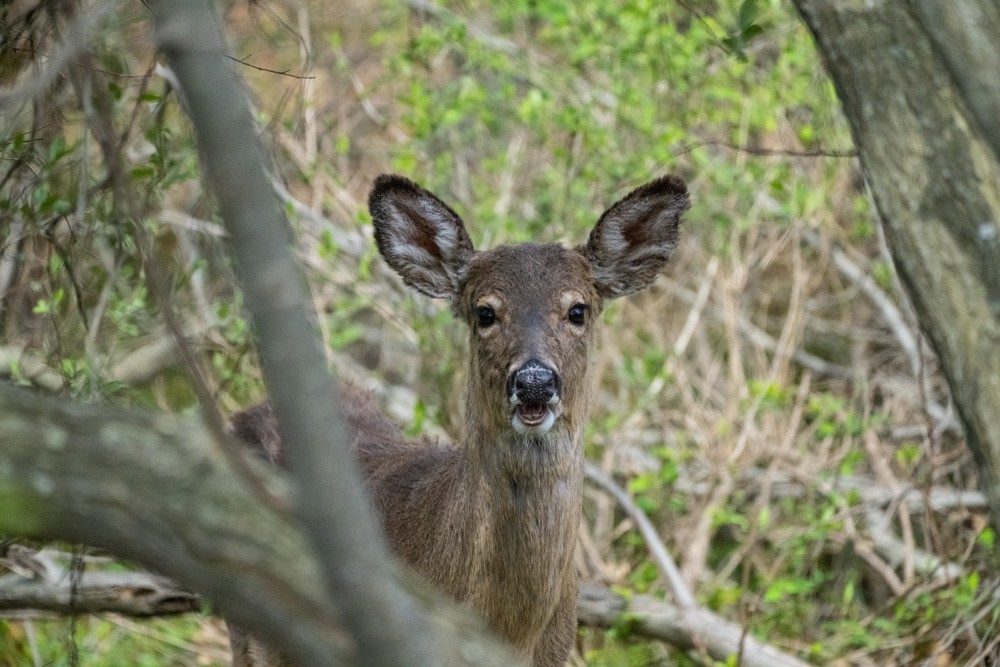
156 489
967 38
906 75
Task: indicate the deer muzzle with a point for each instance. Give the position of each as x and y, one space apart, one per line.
533 391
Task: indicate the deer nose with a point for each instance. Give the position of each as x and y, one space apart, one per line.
534 383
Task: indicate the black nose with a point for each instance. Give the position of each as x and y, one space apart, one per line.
534 383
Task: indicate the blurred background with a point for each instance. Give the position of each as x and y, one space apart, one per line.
769 403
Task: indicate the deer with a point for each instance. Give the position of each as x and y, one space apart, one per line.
492 521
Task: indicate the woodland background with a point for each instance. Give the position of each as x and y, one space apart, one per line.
770 404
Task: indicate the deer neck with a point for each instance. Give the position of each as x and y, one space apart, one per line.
530 485
521 529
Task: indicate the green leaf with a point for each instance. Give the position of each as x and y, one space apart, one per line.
640 483
751 31
987 538
747 14
646 503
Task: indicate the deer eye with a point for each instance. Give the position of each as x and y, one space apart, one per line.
485 316
578 314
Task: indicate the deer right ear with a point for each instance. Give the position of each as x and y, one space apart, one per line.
419 236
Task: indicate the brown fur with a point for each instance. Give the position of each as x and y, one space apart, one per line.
492 522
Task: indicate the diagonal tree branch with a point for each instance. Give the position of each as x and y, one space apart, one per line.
330 502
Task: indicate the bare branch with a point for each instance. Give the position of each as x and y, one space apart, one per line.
129 593
893 316
486 37
331 502
30 366
685 629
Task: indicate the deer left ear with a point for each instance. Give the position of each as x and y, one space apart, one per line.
634 238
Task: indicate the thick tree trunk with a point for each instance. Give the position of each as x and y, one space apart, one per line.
926 154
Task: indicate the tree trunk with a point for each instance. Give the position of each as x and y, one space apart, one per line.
901 71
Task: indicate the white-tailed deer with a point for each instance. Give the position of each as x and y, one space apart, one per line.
492 521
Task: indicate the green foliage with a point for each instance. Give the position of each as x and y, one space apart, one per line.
770 395
619 653
608 103
832 418
173 642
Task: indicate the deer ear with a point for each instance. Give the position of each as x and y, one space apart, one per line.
419 236
635 237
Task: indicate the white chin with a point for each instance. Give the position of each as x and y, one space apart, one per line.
534 429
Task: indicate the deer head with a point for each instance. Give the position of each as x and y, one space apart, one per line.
530 308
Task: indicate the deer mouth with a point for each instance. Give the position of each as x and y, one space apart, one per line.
535 417
532 415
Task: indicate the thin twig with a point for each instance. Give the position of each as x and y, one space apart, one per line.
75 41
764 340
259 68
697 307
29 631
884 472
767 152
